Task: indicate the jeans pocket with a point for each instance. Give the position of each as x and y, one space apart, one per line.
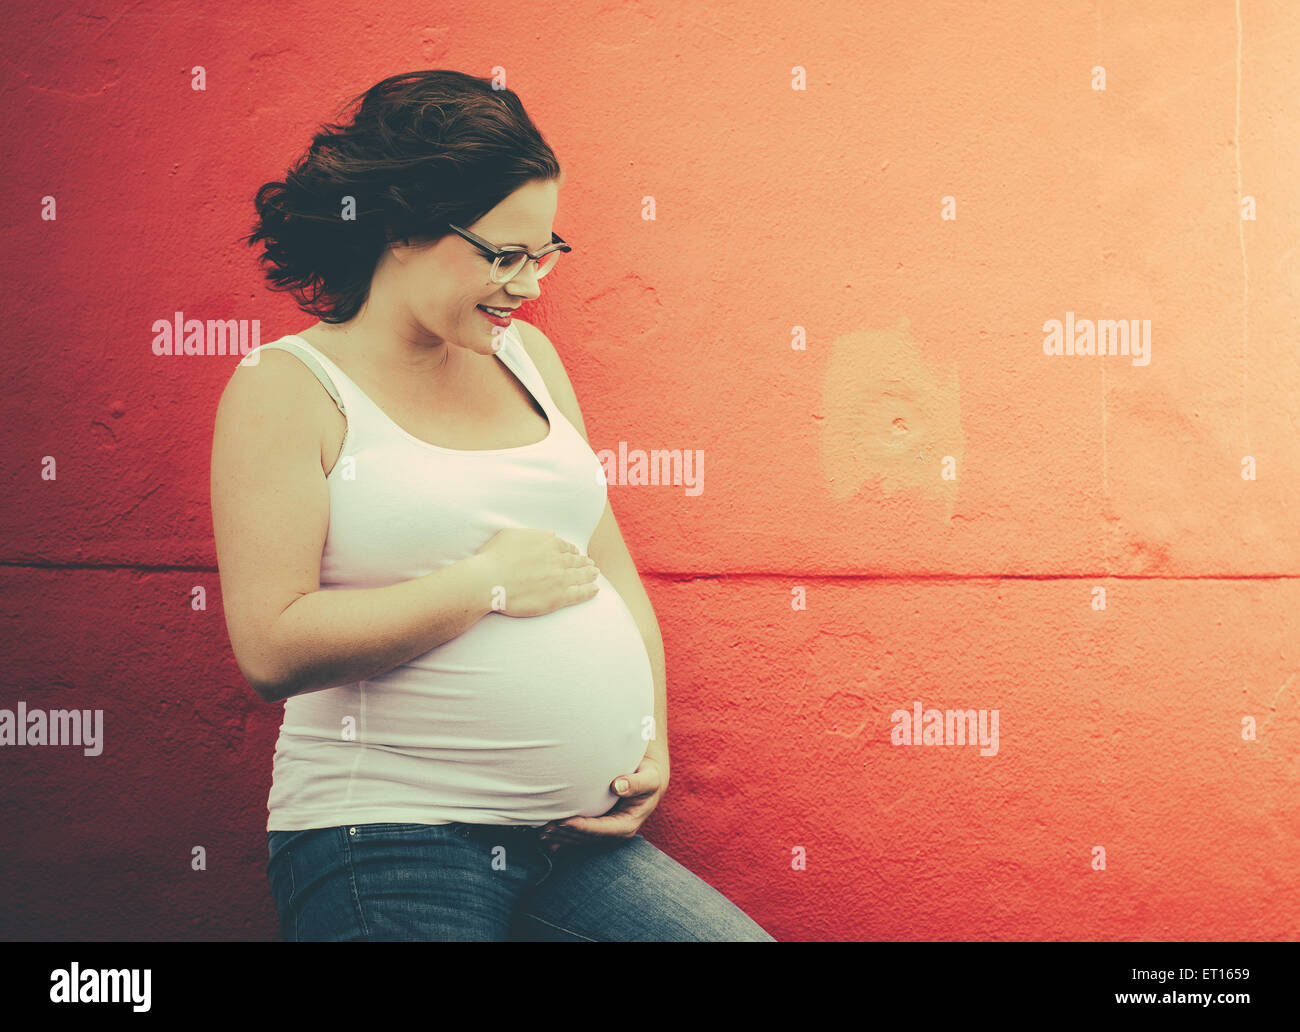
279 874
276 841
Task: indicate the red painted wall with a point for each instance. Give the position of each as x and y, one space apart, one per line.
947 499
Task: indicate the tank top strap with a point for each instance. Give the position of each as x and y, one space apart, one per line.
309 357
516 356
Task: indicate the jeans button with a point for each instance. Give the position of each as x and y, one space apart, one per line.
352 831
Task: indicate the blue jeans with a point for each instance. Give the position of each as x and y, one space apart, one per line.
495 883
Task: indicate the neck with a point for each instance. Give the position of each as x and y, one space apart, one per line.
393 353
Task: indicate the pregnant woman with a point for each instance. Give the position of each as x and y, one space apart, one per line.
418 557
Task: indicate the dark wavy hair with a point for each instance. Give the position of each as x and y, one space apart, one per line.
424 149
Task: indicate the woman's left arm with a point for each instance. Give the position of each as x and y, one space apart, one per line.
647 783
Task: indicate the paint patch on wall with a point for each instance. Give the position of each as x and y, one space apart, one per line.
890 417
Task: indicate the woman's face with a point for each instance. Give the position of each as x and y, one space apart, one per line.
446 282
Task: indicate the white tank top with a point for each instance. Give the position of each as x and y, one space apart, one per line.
518 720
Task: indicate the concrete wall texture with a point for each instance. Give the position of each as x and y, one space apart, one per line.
823 246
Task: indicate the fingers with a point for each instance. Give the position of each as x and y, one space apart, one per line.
636 784
582 585
559 836
617 825
575 832
581 573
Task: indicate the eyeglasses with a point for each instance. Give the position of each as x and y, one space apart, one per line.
507 261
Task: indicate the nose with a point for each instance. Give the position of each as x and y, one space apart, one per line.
523 284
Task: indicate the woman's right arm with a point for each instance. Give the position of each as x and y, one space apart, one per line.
270 514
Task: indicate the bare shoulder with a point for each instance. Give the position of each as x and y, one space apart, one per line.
548 363
267 385
278 398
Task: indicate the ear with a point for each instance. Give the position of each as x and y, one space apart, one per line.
405 249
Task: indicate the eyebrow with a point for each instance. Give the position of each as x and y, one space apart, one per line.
518 243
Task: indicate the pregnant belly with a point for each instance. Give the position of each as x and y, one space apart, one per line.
529 715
